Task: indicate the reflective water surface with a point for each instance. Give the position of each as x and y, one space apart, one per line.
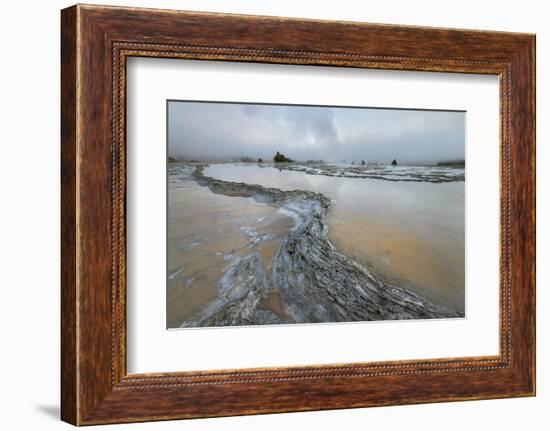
206 232
410 233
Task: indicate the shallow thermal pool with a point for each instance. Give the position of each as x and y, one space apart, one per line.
410 233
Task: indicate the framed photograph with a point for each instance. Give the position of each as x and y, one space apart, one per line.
264 214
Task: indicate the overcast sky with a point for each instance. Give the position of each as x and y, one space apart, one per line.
221 131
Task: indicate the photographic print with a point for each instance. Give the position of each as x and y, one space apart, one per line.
285 214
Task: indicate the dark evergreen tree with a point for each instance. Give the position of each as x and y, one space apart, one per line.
281 158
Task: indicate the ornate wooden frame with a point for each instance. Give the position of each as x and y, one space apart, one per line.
95 43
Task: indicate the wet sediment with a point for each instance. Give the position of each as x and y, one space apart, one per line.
313 281
415 174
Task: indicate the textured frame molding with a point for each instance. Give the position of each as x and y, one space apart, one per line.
96 41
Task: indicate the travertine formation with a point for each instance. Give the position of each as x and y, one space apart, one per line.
426 174
315 281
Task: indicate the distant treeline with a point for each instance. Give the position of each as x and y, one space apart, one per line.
281 158
277 158
452 162
175 160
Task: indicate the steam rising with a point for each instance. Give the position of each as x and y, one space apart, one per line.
226 131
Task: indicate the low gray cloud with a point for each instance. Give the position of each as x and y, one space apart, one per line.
223 131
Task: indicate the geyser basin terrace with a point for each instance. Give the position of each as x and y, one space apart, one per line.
283 214
273 253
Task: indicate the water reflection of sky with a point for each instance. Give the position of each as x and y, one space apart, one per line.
408 230
435 204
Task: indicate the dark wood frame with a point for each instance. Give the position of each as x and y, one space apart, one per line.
95 43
